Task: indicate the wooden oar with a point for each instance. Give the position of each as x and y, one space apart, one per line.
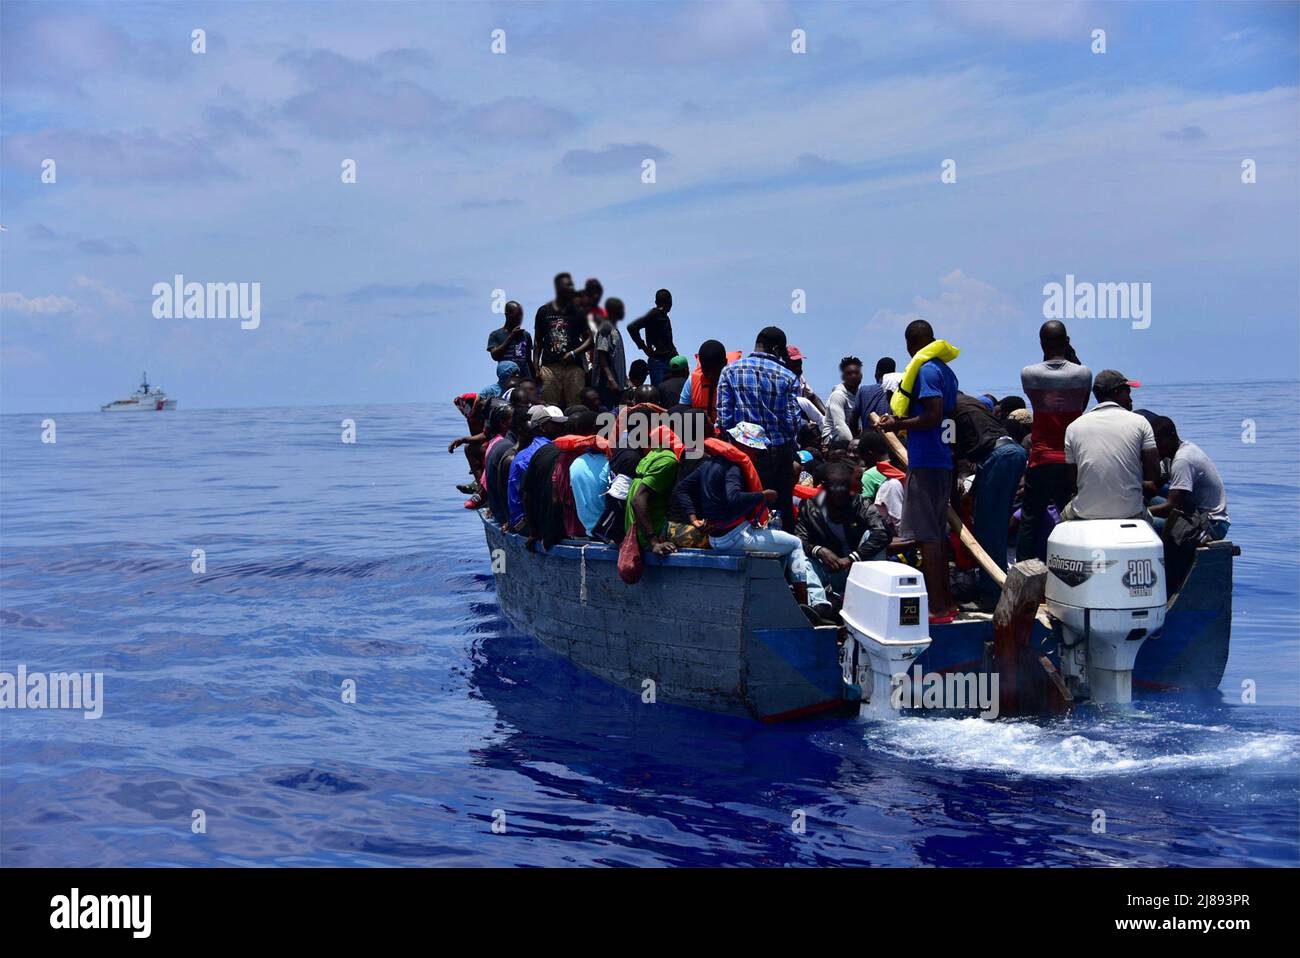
967 538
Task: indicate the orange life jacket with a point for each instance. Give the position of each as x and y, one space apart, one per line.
717 447
582 443
704 395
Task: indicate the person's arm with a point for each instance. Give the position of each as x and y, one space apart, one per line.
739 499
499 352
685 398
539 336
634 331
641 515
931 416
1175 500
793 414
875 538
813 398
467 441
1151 465
684 496
726 402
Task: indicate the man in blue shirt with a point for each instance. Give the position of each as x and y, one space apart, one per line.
929 468
759 389
544 423
872 397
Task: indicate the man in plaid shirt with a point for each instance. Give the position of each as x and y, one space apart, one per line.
759 389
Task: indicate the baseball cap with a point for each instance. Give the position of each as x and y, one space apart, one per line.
679 363
539 414
1111 379
794 354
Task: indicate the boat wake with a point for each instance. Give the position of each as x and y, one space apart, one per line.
1136 745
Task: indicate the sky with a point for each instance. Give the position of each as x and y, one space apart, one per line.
775 171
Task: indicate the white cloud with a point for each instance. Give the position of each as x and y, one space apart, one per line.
964 304
51 305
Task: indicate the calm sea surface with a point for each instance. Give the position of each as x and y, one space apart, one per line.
328 562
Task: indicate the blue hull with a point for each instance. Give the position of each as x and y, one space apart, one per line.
723 632
700 629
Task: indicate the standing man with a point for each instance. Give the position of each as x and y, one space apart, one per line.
658 342
512 342
841 407
929 468
562 336
1110 450
609 374
759 389
1058 389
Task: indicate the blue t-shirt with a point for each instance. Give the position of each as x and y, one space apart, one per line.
925 447
515 486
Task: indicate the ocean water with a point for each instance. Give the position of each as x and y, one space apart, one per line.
329 562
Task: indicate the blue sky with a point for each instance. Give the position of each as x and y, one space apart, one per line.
775 172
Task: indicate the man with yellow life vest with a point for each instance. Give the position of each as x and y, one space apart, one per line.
925 398
725 496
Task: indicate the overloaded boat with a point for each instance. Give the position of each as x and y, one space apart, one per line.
144 399
724 633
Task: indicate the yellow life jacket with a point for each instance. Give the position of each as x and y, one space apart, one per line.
939 349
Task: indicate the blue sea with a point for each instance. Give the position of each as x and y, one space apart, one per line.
329 563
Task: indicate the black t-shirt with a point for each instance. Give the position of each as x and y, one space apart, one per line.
625 462
559 331
657 330
978 430
520 351
670 390
545 516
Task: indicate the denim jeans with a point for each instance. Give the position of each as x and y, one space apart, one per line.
995 492
747 538
658 370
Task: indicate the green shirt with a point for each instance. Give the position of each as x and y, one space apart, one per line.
872 480
657 471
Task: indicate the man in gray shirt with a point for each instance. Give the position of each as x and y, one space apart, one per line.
1110 450
609 372
1194 483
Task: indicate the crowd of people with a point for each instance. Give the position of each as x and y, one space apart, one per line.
735 452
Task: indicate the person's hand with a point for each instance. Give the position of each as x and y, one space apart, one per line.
770 496
455 444
515 334
663 548
697 523
843 563
887 424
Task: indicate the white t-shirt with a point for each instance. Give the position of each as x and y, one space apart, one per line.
1194 473
889 500
1105 444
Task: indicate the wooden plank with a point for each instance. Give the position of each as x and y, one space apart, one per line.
1028 683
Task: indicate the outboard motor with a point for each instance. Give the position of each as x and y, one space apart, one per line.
888 617
1106 588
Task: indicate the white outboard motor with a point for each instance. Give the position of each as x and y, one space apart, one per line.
888 617
1106 587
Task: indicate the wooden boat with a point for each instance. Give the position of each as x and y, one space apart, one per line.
724 633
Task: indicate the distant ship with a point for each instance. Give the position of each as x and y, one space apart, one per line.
143 399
